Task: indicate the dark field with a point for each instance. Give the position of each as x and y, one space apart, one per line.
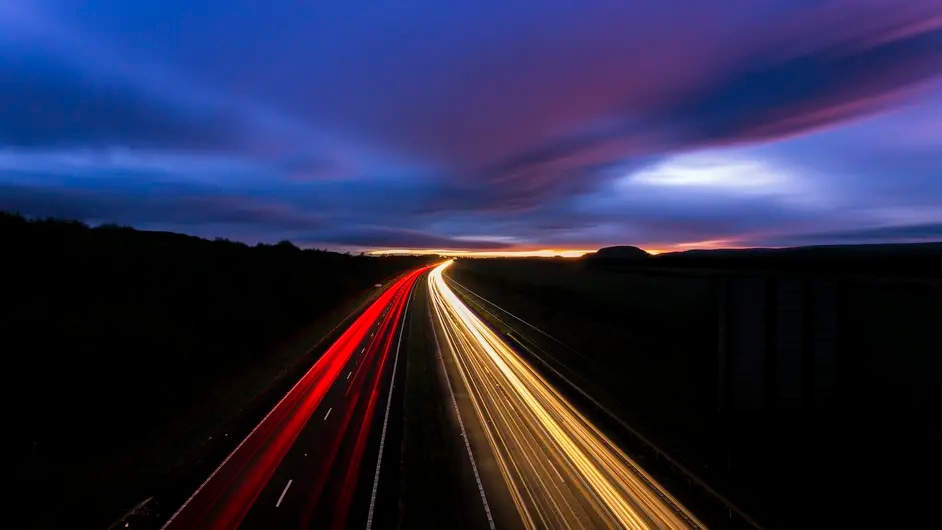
806 399
128 351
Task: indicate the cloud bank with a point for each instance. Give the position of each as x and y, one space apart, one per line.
478 126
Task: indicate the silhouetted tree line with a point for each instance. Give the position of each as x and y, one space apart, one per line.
107 331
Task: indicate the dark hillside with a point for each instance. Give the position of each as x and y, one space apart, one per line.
922 260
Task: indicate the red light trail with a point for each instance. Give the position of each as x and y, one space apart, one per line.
227 496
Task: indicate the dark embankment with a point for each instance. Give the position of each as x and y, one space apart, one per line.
122 346
923 260
800 383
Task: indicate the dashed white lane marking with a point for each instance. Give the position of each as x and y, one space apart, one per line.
244 440
349 374
328 412
282 497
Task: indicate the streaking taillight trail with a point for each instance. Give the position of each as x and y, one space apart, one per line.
224 499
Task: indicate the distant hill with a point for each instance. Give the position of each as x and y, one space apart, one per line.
818 251
907 259
901 251
623 252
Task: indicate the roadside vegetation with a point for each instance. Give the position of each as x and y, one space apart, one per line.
127 351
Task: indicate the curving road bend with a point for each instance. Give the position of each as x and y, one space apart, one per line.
560 470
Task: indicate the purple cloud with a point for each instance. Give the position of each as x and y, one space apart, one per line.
762 98
915 233
48 104
176 207
536 123
385 237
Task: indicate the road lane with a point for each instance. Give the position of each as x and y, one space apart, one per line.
301 466
326 445
562 472
438 476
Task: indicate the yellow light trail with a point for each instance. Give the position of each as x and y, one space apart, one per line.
562 472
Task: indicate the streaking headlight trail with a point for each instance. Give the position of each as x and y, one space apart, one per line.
562 472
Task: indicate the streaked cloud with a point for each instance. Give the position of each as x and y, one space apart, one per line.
559 124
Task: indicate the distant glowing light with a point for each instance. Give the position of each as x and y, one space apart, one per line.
709 244
545 253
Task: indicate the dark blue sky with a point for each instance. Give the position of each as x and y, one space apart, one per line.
477 124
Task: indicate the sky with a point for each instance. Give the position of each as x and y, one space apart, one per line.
478 125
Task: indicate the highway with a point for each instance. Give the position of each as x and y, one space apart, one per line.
560 470
328 455
317 459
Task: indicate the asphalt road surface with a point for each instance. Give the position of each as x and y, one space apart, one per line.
320 458
561 471
484 441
